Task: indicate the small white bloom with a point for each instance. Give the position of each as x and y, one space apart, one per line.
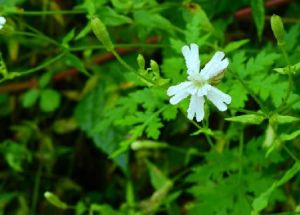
2 22
198 85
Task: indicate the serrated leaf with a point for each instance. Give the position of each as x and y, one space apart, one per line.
282 119
49 100
289 69
83 32
153 127
239 95
89 112
170 113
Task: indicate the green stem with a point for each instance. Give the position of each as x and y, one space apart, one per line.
241 148
210 142
134 45
43 65
40 13
42 37
290 77
291 154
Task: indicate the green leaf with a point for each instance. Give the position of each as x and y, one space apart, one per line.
150 20
102 209
287 137
30 97
55 201
235 45
170 113
111 18
281 119
80 208
90 6
45 79
83 32
258 13
292 37
15 154
89 113
69 36
285 70
261 201
247 119
49 100
158 179
239 95
73 60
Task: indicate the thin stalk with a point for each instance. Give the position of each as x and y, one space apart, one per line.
290 77
288 106
210 142
133 45
291 154
36 190
241 148
53 12
42 37
247 111
43 65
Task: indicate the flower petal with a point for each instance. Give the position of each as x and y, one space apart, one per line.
218 98
178 88
215 66
191 56
2 20
178 97
204 90
196 107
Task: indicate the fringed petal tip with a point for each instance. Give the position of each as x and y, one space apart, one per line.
196 108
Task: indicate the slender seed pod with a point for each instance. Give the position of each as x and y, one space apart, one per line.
101 33
278 29
141 61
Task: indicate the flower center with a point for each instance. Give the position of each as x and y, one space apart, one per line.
197 80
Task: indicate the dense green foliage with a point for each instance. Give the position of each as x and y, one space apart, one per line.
86 123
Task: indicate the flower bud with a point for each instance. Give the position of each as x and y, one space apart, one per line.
54 200
141 61
278 29
155 68
101 33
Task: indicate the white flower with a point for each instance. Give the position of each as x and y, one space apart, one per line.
2 22
198 85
